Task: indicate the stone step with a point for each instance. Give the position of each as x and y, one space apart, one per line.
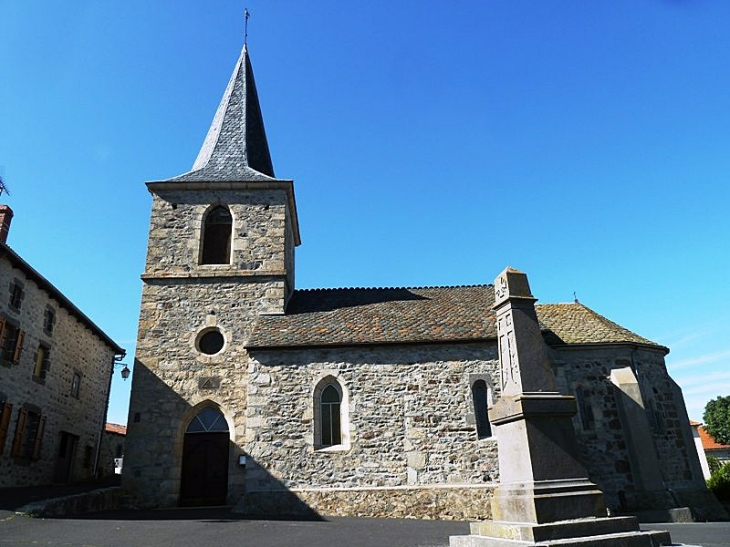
624 539
555 530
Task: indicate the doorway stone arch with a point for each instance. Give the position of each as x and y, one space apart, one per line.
205 457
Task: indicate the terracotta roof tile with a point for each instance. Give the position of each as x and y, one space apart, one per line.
708 441
115 428
341 317
578 324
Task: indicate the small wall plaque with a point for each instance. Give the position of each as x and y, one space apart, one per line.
206 383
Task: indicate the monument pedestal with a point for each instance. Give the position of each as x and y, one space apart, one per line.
587 532
544 496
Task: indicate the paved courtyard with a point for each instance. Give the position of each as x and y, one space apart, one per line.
218 527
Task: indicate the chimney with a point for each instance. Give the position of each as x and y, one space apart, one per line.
6 215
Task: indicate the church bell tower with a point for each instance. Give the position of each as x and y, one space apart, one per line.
220 253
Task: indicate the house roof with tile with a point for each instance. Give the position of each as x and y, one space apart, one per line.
356 316
708 441
115 428
578 324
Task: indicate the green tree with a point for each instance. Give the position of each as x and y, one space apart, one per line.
717 419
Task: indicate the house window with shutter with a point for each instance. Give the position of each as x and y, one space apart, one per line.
49 320
27 442
16 295
42 364
6 411
88 456
11 343
76 384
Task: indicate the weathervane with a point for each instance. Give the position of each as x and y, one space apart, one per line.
246 15
3 187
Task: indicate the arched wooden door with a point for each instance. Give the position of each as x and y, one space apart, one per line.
204 479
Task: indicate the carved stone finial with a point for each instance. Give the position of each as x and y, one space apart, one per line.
511 283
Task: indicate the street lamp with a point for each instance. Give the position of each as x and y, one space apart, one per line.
125 371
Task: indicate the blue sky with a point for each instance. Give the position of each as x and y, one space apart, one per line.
431 143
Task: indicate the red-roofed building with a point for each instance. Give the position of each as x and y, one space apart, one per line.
711 446
112 449
707 446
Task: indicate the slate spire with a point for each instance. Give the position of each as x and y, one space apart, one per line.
235 148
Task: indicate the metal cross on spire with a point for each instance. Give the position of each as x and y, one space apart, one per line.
246 15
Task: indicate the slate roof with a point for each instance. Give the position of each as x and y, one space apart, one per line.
345 317
235 148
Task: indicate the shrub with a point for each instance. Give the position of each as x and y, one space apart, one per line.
719 483
713 463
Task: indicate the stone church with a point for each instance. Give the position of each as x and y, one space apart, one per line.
369 402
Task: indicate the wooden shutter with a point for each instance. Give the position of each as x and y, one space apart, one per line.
19 434
38 444
2 339
18 347
7 411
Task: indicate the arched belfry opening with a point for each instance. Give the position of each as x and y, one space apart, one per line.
204 478
217 235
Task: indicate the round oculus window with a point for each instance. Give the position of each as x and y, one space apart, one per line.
211 342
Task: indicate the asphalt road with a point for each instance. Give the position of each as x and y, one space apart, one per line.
219 528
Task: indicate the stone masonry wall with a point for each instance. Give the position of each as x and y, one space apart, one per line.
408 407
172 378
450 502
73 348
112 447
259 232
603 444
181 299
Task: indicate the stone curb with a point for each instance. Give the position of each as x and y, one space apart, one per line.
104 499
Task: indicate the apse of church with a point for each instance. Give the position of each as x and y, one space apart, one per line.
352 401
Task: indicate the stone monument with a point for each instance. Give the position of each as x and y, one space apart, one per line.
544 496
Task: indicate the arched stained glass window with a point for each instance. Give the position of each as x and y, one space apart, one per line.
217 230
208 420
481 395
331 432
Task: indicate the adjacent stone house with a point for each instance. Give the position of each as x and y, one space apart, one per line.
352 401
111 456
55 373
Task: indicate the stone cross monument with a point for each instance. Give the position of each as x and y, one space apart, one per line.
544 496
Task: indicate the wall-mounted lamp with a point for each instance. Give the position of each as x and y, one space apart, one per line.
125 371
